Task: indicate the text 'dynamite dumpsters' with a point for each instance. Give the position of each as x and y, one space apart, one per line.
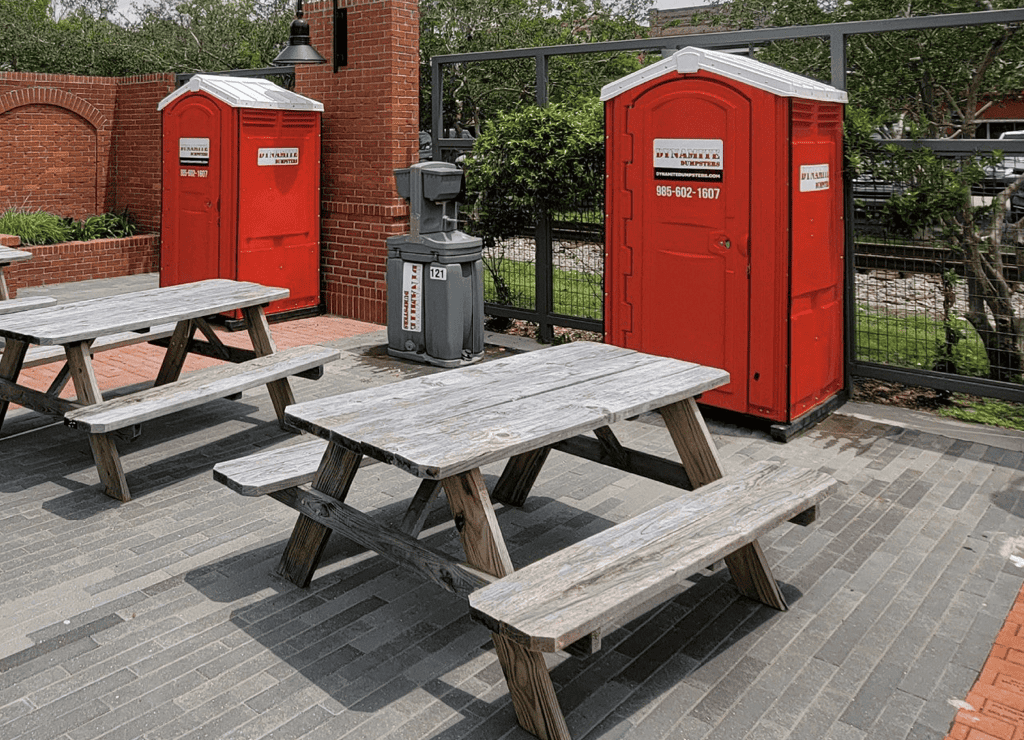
434 273
725 234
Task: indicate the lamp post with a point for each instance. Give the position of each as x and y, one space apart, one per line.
298 50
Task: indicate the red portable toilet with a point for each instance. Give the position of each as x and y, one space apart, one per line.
241 187
725 236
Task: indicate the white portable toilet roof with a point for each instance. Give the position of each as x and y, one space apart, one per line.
691 60
244 92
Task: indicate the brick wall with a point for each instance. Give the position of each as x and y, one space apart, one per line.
370 121
73 261
135 175
369 129
77 146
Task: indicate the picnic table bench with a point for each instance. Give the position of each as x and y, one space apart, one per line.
442 428
74 331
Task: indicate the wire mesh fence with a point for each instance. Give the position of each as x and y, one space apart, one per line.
940 291
558 269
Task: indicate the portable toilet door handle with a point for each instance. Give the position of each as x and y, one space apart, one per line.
723 242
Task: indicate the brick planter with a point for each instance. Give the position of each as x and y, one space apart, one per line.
70 262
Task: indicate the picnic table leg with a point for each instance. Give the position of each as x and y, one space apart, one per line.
177 350
533 694
11 360
104 451
519 475
416 514
309 537
5 294
697 453
263 344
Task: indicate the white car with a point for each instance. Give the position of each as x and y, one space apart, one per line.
1013 165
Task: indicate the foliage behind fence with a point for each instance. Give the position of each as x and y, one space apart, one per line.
933 293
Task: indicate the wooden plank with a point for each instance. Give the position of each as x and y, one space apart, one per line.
104 450
753 576
604 377
11 362
473 388
628 459
805 518
272 470
197 388
71 322
177 350
280 390
44 355
693 443
9 255
10 305
309 537
565 596
518 477
43 403
533 694
419 507
214 341
435 434
398 547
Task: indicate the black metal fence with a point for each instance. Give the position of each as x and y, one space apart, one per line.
942 306
919 305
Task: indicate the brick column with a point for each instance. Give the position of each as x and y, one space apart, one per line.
370 122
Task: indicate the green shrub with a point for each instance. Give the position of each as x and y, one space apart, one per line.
534 159
37 227
40 227
104 226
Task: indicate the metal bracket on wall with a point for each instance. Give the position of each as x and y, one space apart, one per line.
340 36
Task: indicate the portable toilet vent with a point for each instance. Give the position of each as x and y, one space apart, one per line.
725 234
241 187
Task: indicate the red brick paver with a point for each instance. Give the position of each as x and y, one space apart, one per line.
140 363
996 702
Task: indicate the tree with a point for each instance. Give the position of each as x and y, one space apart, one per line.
82 37
931 83
477 91
211 35
519 170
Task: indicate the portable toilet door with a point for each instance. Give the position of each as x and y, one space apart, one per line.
241 187
701 262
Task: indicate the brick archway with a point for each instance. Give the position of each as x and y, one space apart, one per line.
57 98
69 136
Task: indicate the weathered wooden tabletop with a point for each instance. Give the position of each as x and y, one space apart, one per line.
9 255
443 424
84 320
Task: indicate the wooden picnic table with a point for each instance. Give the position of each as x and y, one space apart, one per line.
76 326
442 428
9 255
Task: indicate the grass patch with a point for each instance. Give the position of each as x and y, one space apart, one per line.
919 342
985 411
577 294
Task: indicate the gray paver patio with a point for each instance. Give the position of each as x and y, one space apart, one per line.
162 619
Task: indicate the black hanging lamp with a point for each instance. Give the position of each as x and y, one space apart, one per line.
299 50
